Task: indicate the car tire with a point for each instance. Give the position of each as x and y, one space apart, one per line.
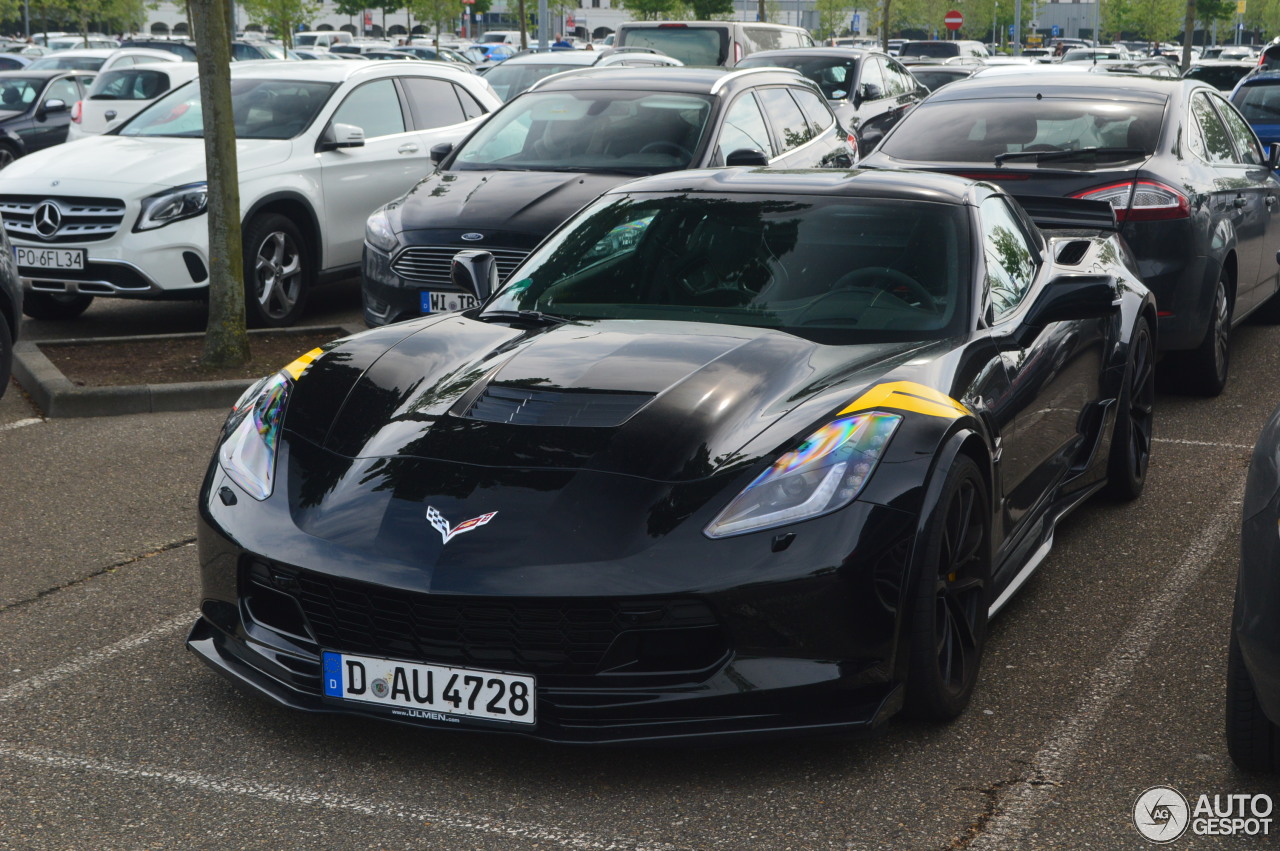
1252 740
1203 370
7 155
6 355
277 274
55 305
1131 438
948 609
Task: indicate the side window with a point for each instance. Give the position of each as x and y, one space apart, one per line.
1217 143
744 127
789 122
375 107
763 38
1011 264
471 107
815 110
1247 148
63 90
433 103
871 84
242 52
902 81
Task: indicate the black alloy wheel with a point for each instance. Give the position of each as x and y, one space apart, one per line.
55 305
1252 740
1205 367
276 276
949 619
7 155
1131 438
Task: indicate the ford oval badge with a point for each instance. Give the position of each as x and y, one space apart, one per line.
472 237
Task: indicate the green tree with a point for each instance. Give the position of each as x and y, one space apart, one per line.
439 13
710 10
653 10
832 16
1153 20
226 343
281 16
352 9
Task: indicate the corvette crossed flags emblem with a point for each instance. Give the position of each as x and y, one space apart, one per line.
447 532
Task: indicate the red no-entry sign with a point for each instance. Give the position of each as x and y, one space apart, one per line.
954 20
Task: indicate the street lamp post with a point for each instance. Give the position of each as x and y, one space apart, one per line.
995 22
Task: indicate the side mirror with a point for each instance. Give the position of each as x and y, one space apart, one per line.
474 271
342 136
52 105
1273 155
440 151
747 156
1068 298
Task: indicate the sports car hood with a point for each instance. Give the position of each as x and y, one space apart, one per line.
664 401
523 201
131 159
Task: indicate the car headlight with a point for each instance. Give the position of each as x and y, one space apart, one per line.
822 474
248 453
172 205
378 232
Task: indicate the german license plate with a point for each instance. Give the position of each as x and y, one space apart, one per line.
446 302
50 258
414 690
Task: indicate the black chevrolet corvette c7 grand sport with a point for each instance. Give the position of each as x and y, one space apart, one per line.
733 452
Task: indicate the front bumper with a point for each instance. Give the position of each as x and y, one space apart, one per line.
672 645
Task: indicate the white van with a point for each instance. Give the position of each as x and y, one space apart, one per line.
722 43
322 40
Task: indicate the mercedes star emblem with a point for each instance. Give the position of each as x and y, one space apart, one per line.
47 220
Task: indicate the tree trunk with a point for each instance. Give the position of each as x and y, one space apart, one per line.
1188 34
884 28
524 26
226 343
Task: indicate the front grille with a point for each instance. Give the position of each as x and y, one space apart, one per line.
522 406
556 636
429 264
82 219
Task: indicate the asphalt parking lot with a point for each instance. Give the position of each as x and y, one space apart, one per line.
1102 678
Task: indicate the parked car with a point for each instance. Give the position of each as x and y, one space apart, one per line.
183 48
720 456
934 77
429 54
568 139
101 60
1253 656
1258 99
1223 75
10 310
523 70
942 49
1191 185
723 43
79 42
321 145
35 110
14 61
321 39
119 94
868 90
1093 54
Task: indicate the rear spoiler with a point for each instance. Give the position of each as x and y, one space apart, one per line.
1050 211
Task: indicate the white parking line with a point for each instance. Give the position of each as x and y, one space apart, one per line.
21 689
21 423
1214 444
294 796
1048 770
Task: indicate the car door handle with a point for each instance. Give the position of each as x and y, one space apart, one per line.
110 115
408 149
1241 201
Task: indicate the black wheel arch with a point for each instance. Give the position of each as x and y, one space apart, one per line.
296 208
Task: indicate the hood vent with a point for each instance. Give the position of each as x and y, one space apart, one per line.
582 409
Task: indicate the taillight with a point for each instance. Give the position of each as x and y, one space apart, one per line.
737 53
853 143
1141 201
75 111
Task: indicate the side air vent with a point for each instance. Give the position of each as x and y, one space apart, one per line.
1073 252
523 406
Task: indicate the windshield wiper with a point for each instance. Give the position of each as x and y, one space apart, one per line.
1081 153
533 317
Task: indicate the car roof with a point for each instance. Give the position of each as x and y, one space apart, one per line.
1266 78
90 52
555 57
45 73
869 183
811 52
673 78
1077 83
339 71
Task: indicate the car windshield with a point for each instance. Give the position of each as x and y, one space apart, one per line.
511 78
972 131
935 49
935 78
691 45
834 270
1221 77
17 93
67 63
834 75
264 109
604 131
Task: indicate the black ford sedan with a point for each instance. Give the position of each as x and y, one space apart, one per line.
720 459
563 142
869 91
1191 185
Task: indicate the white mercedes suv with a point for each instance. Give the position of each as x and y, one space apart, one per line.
321 145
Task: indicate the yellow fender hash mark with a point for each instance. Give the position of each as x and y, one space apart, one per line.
299 366
909 396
